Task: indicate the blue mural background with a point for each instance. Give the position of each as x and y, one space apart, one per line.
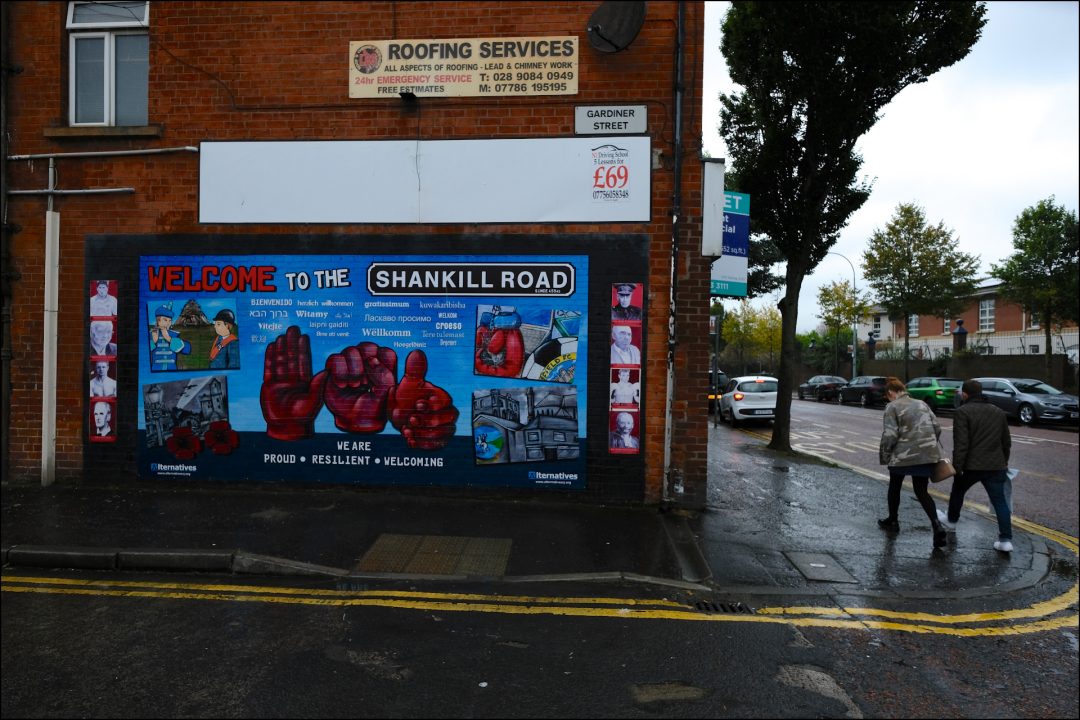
343 312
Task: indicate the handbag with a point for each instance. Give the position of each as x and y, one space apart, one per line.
943 469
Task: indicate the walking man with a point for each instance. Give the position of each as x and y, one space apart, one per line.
981 445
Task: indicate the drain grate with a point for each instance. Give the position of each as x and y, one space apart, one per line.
713 607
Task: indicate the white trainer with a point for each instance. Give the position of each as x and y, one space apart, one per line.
944 520
1003 546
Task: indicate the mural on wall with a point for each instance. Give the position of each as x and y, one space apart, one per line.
102 309
624 399
542 345
187 339
360 368
189 416
527 424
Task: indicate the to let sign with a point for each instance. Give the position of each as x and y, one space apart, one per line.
730 271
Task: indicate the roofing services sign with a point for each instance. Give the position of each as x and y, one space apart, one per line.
475 67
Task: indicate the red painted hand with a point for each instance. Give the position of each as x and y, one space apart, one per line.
422 412
290 396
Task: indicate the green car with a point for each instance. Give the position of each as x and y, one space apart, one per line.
937 392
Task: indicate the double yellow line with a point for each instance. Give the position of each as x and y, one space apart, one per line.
1048 615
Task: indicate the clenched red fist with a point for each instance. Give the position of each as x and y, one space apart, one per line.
290 396
500 347
422 412
359 379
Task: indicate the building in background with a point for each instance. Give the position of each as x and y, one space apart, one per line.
995 326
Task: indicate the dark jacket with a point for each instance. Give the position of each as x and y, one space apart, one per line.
981 439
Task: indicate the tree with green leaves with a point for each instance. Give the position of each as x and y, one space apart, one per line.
738 332
814 78
1041 274
767 336
753 337
841 305
917 269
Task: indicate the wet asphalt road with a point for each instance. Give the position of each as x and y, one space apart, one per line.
1047 491
151 655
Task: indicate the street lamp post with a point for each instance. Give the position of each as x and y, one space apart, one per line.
854 319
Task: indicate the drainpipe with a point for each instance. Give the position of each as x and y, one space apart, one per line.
673 477
7 275
52 292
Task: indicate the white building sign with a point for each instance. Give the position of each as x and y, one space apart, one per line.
529 180
610 119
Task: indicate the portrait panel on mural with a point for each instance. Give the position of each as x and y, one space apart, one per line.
102 422
103 300
624 398
625 388
623 432
387 369
102 311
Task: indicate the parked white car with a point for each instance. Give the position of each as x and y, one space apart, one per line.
750 397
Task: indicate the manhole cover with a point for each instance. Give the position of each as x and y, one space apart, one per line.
437 555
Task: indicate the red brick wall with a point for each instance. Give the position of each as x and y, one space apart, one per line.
279 70
1008 317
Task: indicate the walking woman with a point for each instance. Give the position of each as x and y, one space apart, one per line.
909 446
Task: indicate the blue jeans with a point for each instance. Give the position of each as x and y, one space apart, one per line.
994 482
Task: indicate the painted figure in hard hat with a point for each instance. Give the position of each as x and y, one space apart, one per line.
225 352
165 343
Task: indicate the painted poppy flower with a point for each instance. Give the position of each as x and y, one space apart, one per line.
221 438
184 443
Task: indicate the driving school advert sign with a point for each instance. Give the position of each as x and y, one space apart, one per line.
473 67
425 370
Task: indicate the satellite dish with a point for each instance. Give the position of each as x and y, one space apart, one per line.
614 25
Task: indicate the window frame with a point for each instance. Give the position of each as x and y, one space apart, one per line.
987 320
133 23
108 32
913 326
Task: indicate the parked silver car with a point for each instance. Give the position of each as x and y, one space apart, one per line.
750 397
1030 400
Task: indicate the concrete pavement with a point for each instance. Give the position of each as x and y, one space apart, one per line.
776 525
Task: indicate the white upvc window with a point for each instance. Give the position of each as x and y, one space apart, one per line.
109 63
1033 321
986 315
913 326
945 329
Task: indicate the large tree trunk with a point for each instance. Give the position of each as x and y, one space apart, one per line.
789 313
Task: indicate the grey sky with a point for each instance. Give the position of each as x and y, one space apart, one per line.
975 145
